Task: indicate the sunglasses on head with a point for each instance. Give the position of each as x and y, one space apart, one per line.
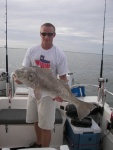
48 34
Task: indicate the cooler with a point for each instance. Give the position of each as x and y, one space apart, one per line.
83 138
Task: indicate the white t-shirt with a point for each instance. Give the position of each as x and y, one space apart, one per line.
52 58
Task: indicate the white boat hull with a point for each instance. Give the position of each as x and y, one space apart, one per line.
23 135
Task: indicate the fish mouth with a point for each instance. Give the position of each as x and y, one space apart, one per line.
17 74
14 76
21 74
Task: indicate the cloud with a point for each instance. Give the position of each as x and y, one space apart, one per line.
78 23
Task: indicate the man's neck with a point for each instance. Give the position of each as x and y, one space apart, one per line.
46 47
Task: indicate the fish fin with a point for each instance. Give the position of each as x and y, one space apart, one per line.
48 70
84 108
45 69
37 93
65 84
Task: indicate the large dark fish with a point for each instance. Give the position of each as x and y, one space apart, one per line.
44 83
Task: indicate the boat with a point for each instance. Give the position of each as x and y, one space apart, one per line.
16 133
95 132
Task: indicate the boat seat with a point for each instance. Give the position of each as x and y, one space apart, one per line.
18 116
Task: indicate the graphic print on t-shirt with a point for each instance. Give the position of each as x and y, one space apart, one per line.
42 63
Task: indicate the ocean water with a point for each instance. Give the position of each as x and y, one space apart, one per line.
85 68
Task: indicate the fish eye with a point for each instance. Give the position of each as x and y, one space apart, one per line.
31 76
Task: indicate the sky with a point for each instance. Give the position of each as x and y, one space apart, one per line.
79 24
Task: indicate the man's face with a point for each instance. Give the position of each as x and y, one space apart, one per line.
47 34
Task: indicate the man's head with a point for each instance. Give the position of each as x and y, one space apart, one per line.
47 33
48 25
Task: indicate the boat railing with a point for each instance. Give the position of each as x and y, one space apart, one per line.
83 88
12 85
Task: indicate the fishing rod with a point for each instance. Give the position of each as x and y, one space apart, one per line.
101 80
101 69
101 90
7 74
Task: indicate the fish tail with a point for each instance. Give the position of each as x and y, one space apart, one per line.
84 108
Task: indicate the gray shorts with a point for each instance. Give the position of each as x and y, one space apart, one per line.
42 111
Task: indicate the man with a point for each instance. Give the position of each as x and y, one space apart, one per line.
45 55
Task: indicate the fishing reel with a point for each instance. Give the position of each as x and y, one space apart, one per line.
3 76
101 80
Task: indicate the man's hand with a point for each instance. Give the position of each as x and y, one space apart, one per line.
58 98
